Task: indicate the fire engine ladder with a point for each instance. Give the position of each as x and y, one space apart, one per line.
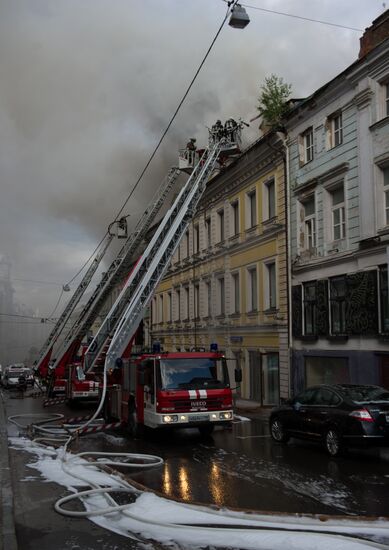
77 295
118 268
127 312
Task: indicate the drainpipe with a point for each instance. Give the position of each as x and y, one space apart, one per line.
288 260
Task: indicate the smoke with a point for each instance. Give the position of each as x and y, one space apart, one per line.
86 89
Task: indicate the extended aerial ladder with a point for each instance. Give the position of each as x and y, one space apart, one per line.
47 348
116 272
125 315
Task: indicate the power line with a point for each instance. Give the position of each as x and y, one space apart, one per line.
329 23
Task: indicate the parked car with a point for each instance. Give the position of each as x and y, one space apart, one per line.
12 373
339 416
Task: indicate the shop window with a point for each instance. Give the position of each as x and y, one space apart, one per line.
326 370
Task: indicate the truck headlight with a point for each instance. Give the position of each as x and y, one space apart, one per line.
213 416
170 418
226 415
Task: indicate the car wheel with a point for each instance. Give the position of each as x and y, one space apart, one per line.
277 431
333 442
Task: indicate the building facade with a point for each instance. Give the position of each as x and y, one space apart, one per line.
227 283
338 163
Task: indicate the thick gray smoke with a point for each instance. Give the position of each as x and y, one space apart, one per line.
87 87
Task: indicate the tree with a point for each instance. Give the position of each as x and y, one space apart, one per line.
272 101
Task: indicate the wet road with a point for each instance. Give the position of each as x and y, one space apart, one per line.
243 468
238 467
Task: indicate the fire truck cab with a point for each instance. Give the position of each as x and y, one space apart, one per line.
178 390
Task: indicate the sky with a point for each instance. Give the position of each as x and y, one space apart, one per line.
191 526
87 89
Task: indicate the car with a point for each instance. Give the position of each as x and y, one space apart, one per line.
12 373
339 416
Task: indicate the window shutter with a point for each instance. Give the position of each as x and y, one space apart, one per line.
297 318
362 303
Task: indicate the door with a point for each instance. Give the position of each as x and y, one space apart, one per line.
320 412
264 378
297 417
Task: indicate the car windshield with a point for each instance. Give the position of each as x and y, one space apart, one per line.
366 394
15 373
193 373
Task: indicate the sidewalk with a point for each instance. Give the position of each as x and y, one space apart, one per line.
252 409
7 525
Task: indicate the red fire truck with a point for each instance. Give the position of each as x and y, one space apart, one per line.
179 390
72 381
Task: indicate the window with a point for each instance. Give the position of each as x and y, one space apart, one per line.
326 370
251 209
338 305
385 173
178 296
384 299
338 214
160 312
270 198
154 315
235 294
208 232
220 218
196 238
271 294
308 145
335 128
186 245
208 294
252 289
221 296
309 224
386 98
310 308
197 301
170 306
186 302
234 218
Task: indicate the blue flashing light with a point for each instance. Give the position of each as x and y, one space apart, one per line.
214 347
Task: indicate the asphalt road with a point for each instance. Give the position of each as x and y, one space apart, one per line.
239 468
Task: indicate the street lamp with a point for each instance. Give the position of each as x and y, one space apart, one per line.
239 18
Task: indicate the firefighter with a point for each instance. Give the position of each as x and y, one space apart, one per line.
230 129
217 131
190 150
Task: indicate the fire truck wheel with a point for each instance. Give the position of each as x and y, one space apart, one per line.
206 430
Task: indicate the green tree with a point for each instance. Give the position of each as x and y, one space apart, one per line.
272 100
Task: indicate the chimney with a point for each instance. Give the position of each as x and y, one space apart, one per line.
375 34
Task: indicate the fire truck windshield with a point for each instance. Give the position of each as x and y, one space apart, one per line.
193 373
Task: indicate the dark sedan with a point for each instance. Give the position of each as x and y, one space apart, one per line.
339 416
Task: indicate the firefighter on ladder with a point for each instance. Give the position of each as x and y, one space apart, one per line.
190 151
230 130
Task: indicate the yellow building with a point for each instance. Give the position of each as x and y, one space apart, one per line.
227 282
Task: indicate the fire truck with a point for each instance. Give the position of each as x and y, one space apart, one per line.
63 374
172 390
165 389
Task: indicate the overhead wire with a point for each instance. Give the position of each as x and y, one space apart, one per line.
310 19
